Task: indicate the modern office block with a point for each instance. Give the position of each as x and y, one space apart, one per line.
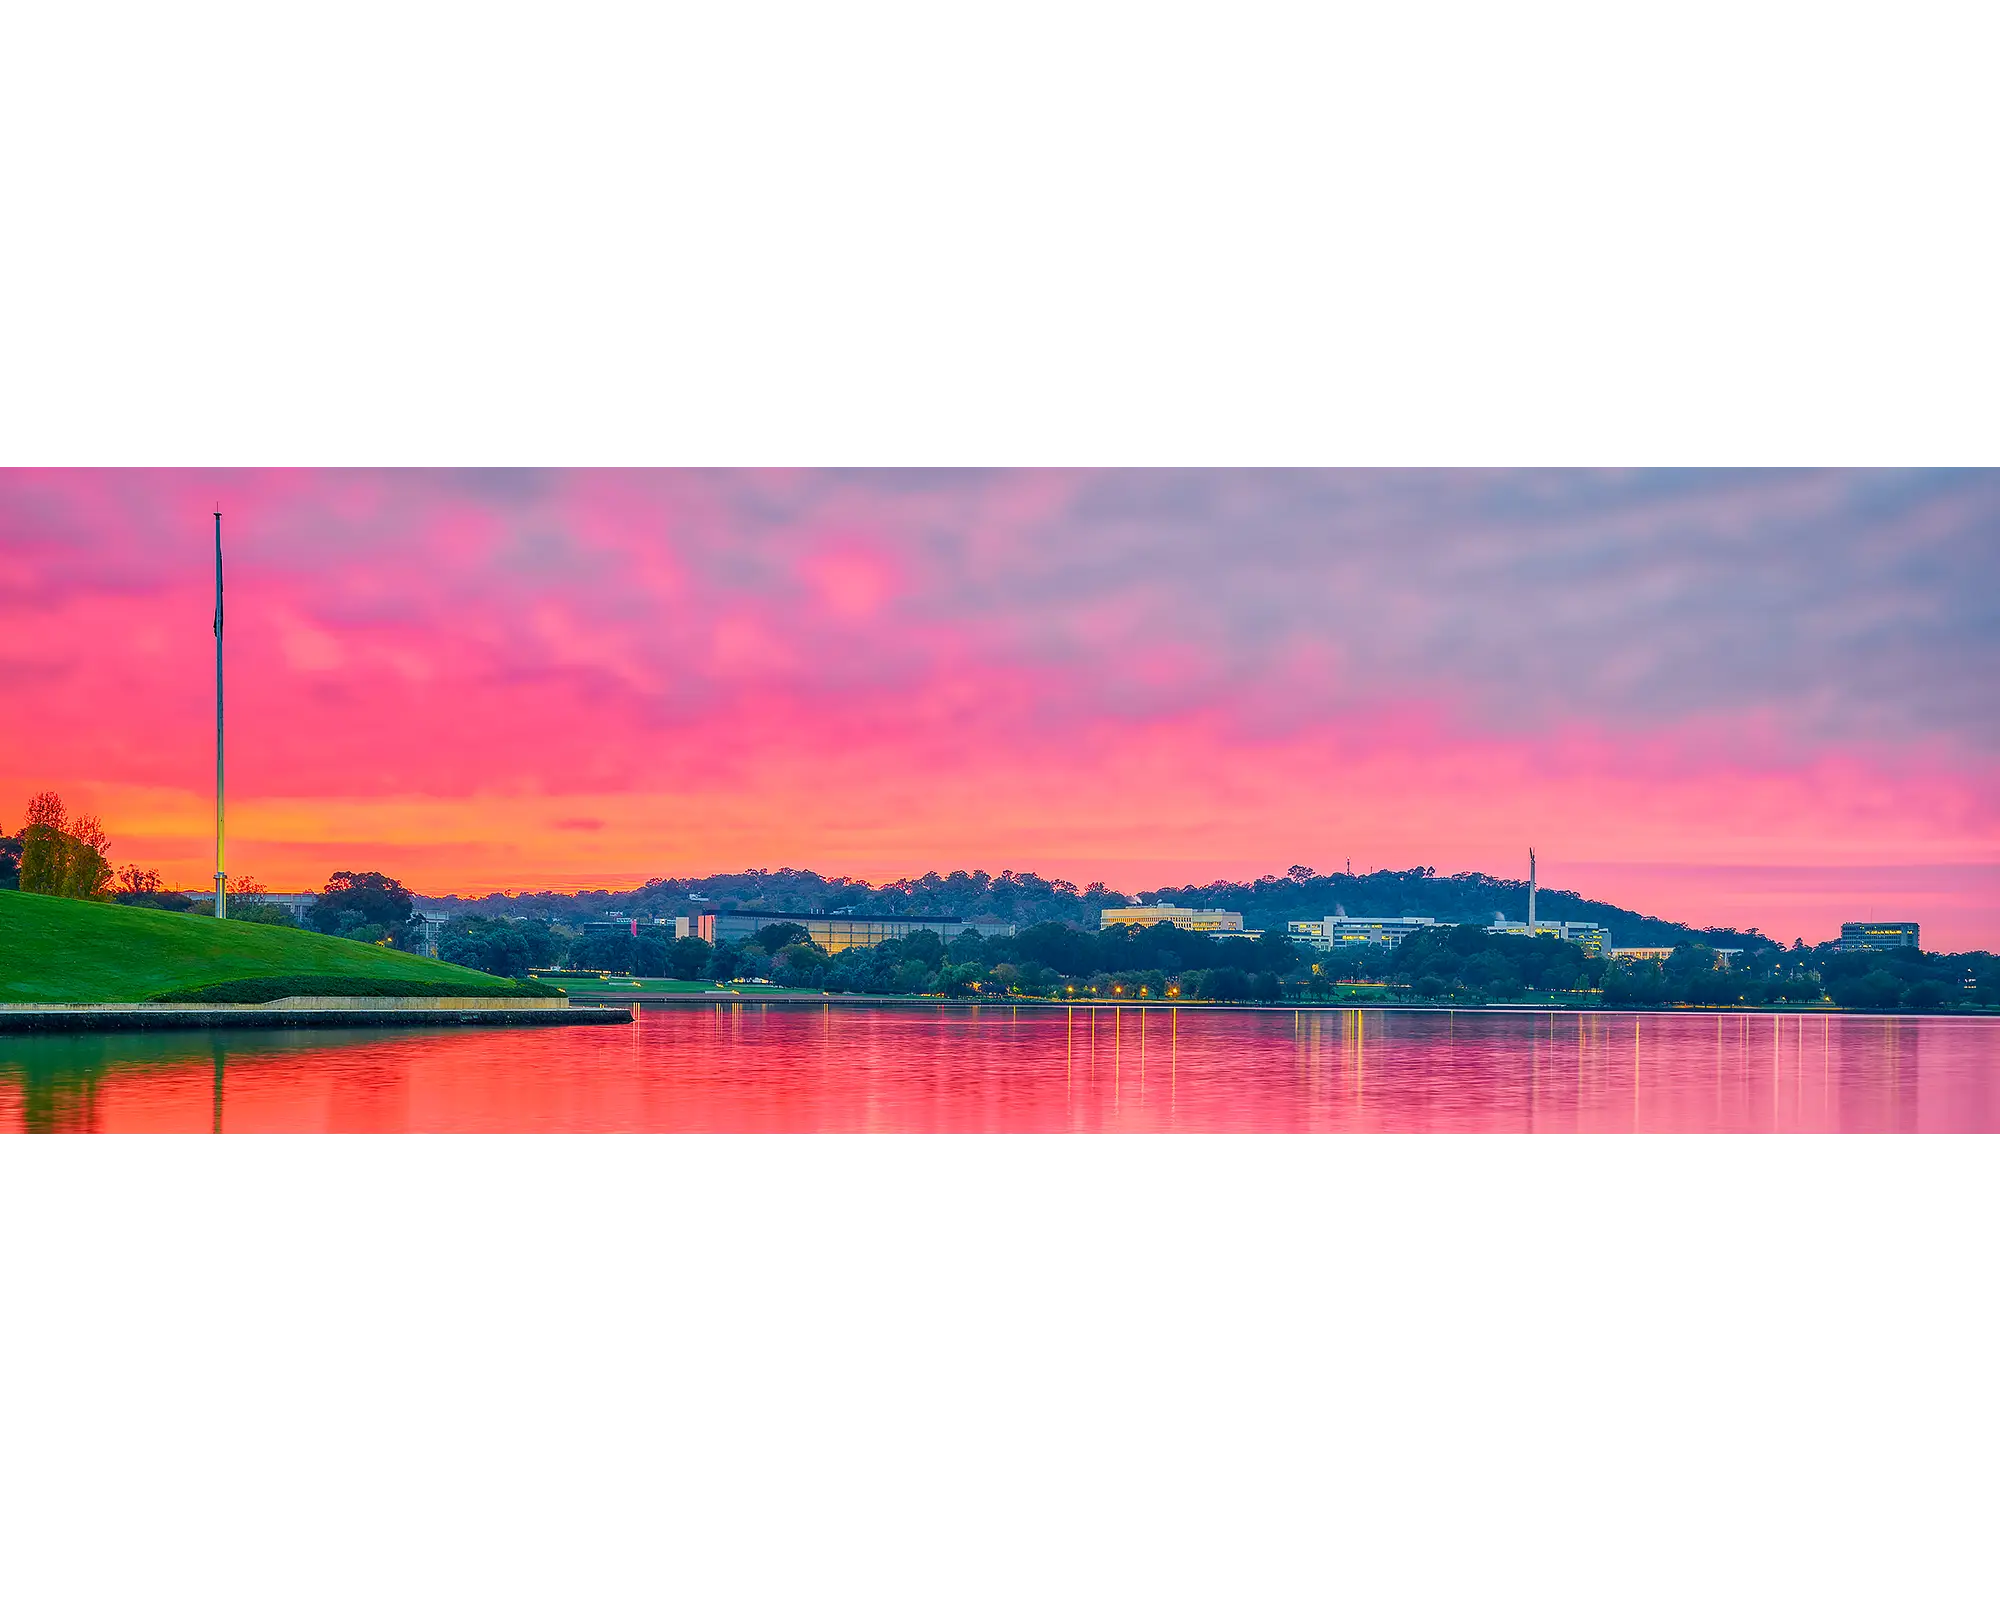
1337 932
847 931
1208 921
1590 935
1879 936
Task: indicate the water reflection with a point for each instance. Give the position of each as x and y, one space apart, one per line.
755 1068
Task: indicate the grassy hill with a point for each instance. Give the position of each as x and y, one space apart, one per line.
82 951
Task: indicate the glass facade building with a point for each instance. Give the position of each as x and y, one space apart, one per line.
845 931
1878 936
1213 920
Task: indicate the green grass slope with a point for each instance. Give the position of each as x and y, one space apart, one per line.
71 951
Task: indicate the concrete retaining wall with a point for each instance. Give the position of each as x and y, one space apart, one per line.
336 1012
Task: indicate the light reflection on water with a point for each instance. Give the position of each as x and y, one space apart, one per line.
751 1068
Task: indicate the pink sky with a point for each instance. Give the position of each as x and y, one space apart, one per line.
1735 698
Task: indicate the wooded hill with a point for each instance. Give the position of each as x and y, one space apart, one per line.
1025 898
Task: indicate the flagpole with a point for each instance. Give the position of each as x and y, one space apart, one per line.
221 902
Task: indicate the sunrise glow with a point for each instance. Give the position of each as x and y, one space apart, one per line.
1759 699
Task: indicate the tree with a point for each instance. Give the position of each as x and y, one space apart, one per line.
688 958
369 906
1491 971
134 880
1688 961
1875 990
648 955
505 948
246 903
259 911
61 855
1467 938
1224 983
774 936
142 886
924 946
1633 983
1277 952
803 963
1068 950
10 863
486 944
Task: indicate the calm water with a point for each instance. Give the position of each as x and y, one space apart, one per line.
774 1069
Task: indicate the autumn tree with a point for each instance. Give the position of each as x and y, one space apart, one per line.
137 880
63 855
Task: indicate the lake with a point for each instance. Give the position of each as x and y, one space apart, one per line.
755 1069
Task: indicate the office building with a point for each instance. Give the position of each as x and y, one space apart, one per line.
843 931
1209 921
1589 935
1878 936
1725 957
1341 932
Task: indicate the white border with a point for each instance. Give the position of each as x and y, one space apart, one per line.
1096 234
913 1366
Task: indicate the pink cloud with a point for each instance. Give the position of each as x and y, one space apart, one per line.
1147 677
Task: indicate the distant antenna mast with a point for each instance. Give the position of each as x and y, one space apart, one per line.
1531 889
221 899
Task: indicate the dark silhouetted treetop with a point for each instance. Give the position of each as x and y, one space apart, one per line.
370 906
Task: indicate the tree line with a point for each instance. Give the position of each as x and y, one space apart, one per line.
1027 899
1053 957
1463 964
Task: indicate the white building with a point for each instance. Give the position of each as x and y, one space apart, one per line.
1641 952
1588 934
1339 931
1213 920
1725 958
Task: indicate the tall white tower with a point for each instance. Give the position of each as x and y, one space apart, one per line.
1531 891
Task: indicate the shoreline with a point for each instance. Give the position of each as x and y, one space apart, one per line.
939 1002
385 1013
